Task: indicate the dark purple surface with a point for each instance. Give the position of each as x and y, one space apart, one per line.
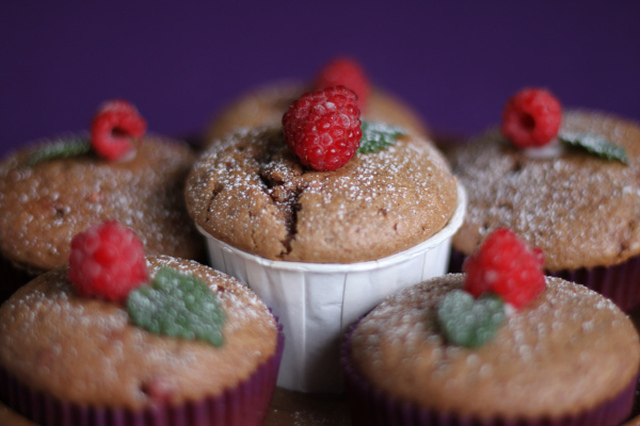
179 62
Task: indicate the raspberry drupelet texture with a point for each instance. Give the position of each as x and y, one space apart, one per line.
107 261
322 128
116 124
506 266
345 71
531 118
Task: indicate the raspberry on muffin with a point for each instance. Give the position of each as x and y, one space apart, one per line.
187 342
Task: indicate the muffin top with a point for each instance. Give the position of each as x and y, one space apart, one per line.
567 350
580 209
251 192
86 351
265 106
42 206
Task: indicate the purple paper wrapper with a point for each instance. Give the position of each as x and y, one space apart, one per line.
620 283
13 277
246 404
371 406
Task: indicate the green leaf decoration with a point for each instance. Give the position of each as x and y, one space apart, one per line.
595 144
59 149
378 136
470 322
178 305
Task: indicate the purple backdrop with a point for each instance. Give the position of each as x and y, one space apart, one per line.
455 62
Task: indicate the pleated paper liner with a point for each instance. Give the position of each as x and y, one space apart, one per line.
620 283
245 404
371 406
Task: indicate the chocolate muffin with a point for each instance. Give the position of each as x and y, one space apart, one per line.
321 248
580 209
570 356
76 356
251 192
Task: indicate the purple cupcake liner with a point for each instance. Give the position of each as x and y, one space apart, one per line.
620 283
371 406
246 404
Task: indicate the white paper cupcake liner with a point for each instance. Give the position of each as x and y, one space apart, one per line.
316 302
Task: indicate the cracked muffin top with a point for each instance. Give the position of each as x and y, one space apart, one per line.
248 190
580 209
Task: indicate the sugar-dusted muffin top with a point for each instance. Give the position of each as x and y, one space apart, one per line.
251 192
44 205
581 210
86 351
265 106
566 351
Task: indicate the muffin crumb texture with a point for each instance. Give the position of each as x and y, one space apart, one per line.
566 351
249 191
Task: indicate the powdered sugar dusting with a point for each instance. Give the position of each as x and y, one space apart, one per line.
44 206
249 191
574 206
85 350
568 338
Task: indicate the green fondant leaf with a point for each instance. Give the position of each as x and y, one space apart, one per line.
470 322
178 305
378 136
595 144
59 149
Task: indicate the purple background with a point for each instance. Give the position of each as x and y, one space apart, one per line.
179 62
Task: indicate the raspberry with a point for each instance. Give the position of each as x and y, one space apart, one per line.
531 118
323 128
107 261
506 266
115 125
344 71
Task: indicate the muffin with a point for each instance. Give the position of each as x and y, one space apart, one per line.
322 247
565 355
266 104
69 358
579 208
53 189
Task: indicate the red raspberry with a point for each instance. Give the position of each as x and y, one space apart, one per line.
115 125
344 71
531 118
107 261
323 128
506 266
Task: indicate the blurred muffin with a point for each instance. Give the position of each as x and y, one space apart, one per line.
579 208
265 105
56 188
